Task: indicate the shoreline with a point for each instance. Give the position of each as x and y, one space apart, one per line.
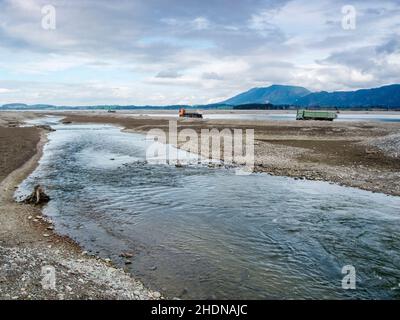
346 154
29 242
32 242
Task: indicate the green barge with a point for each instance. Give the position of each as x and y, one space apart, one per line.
316 115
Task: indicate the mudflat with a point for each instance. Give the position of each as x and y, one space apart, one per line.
17 146
359 154
365 155
29 246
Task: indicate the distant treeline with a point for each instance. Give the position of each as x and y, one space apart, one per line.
20 106
260 106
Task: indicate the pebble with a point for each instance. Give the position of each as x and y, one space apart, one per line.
126 255
71 283
46 235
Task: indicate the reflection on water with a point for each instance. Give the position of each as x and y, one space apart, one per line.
198 232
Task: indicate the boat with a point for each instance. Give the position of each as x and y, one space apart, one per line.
184 114
316 115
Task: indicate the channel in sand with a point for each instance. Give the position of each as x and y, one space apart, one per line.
200 232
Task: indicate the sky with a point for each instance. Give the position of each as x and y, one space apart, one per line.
160 52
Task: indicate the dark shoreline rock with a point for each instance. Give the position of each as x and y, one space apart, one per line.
37 197
45 127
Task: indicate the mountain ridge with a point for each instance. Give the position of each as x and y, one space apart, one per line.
384 96
274 94
387 97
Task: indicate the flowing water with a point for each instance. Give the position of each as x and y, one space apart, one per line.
200 232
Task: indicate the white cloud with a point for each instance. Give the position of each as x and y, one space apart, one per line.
162 52
201 23
5 90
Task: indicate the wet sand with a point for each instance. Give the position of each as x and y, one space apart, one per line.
28 243
359 154
348 153
17 146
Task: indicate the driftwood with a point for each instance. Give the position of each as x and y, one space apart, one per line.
38 196
45 127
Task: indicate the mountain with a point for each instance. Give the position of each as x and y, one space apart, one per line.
273 97
275 94
386 96
23 106
14 106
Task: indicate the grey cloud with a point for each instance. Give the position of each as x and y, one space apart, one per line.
211 76
156 41
360 59
173 74
391 46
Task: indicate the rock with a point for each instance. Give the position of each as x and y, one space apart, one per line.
128 262
183 292
156 295
50 228
37 197
126 255
60 296
45 127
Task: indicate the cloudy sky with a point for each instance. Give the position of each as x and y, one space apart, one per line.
185 51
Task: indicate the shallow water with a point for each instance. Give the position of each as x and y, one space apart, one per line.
199 232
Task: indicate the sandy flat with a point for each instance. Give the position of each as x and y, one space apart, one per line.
349 153
28 243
